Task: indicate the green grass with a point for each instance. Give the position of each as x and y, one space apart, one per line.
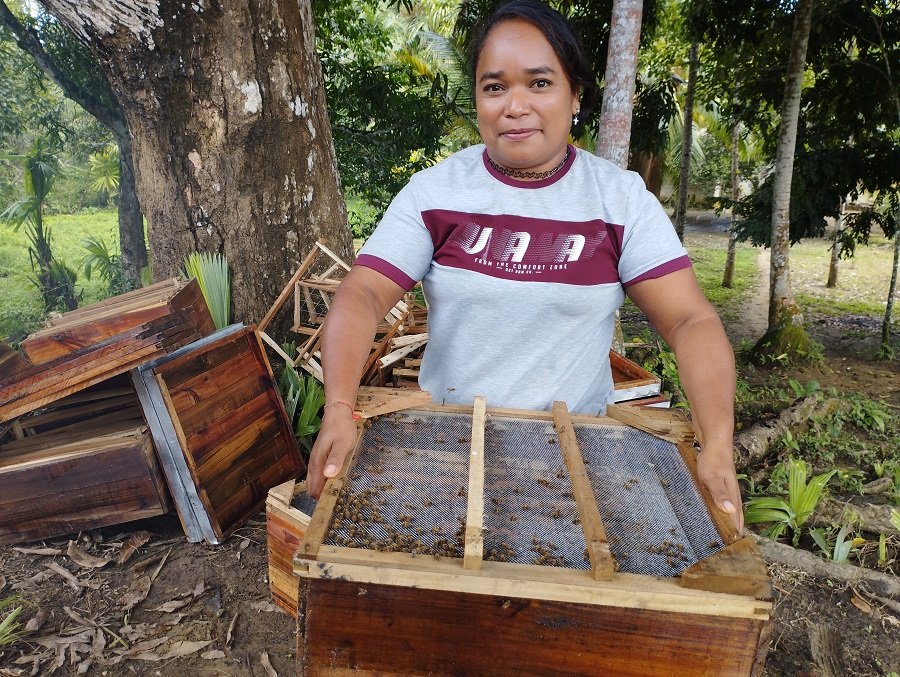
20 301
862 281
709 263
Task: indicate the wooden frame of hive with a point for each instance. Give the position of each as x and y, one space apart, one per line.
370 612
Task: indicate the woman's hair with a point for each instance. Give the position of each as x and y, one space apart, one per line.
561 36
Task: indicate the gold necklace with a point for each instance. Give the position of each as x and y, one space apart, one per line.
517 174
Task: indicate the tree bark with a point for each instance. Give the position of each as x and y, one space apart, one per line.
892 290
728 275
783 309
836 249
232 145
618 92
103 107
752 445
687 141
882 584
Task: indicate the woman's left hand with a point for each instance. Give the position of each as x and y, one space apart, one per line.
715 468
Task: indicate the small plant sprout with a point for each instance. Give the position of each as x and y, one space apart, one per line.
793 511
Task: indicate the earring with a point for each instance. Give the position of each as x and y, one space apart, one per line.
575 118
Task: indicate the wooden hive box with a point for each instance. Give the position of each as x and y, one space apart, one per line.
73 356
100 321
501 542
220 429
285 525
86 462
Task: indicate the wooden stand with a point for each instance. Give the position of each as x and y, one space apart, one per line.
407 613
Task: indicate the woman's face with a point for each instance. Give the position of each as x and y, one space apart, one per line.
523 98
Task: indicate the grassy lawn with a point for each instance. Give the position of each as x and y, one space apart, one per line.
20 302
708 258
862 281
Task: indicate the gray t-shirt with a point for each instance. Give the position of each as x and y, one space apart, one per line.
522 279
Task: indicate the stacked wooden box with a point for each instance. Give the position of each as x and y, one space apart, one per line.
75 452
509 592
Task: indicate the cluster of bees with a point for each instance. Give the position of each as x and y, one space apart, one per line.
673 552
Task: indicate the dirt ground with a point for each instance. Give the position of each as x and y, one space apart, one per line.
175 608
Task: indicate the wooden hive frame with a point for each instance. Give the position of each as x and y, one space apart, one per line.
472 616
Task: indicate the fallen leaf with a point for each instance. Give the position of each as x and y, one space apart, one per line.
2 583
131 546
179 649
199 589
70 578
892 620
84 666
264 605
49 552
98 644
78 618
36 623
267 665
861 604
229 636
137 592
39 577
174 605
212 655
83 559
242 547
56 642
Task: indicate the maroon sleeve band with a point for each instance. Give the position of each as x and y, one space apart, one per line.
668 267
392 272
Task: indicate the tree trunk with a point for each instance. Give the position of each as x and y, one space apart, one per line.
728 275
687 141
232 145
618 92
783 309
836 249
103 106
892 290
132 248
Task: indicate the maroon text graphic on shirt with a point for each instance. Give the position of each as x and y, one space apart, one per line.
522 248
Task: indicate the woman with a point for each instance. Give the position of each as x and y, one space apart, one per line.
525 247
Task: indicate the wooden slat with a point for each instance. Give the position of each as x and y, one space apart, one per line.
602 564
724 525
11 362
288 289
321 519
474 533
737 569
666 424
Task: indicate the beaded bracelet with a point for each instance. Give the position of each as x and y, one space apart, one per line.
346 404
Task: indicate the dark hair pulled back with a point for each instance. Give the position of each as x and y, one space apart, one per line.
562 38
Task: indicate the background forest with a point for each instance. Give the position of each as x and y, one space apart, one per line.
818 442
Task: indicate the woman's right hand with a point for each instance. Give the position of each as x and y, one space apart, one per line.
336 439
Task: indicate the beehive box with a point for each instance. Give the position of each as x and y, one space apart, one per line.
498 542
287 519
85 462
220 430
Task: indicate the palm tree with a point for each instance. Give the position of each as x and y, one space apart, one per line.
55 280
104 172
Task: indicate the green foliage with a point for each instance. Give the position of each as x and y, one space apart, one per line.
106 264
303 398
662 362
793 511
839 549
387 119
104 171
10 628
211 271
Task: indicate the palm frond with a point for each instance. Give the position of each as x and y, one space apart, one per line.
212 273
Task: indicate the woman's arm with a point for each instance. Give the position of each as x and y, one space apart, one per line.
684 318
362 300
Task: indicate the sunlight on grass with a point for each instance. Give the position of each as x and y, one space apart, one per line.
708 256
20 300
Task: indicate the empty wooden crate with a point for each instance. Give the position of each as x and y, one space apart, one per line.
220 430
498 542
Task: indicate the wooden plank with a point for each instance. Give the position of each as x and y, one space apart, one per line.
374 401
727 531
288 289
602 564
337 259
541 582
277 348
240 440
209 384
321 519
444 633
666 424
11 362
737 569
222 404
187 503
474 532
